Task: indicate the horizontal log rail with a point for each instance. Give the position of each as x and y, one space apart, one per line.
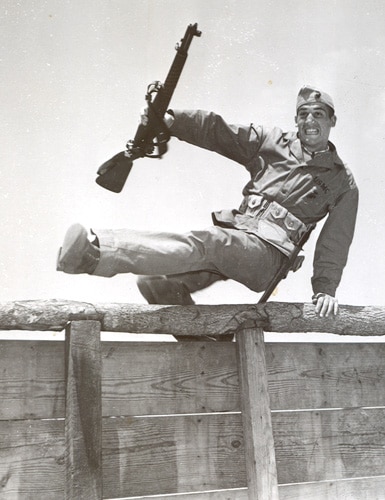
54 315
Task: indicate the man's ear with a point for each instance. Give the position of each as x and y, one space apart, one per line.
296 121
334 120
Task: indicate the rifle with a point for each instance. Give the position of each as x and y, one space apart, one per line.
150 140
292 263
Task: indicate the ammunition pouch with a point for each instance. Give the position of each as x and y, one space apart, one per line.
274 223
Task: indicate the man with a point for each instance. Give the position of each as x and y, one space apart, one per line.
296 179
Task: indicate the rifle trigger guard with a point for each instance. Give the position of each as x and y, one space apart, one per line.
161 132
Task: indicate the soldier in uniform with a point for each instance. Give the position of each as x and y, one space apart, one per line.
296 179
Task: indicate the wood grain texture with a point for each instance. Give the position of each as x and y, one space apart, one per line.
179 454
169 378
165 455
329 444
239 494
336 375
256 416
53 315
140 378
369 488
355 489
83 422
187 453
32 459
31 379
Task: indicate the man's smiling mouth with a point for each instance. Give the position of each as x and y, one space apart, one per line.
311 131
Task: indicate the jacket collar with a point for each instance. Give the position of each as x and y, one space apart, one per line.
326 159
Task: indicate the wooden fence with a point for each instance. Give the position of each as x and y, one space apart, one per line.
85 419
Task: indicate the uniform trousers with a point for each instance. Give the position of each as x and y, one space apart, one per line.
195 258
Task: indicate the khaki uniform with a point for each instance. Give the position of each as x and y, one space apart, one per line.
309 191
284 196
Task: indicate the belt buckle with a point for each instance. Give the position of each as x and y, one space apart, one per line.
264 206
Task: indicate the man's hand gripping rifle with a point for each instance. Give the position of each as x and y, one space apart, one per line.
150 140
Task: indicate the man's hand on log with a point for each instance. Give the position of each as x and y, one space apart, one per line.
325 305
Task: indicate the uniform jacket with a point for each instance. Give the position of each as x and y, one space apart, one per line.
321 187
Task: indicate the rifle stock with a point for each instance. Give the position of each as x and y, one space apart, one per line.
293 262
113 173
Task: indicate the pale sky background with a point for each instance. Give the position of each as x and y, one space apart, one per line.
74 76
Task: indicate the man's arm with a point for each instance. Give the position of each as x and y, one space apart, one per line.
331 252
210 131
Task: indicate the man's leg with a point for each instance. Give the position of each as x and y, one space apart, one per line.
235 254
176 289
201 257
78 255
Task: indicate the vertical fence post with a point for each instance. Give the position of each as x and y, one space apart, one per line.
258 435
83 424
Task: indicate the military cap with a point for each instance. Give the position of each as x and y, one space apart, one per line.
308 95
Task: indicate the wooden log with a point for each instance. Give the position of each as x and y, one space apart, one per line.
256 416
53 315
83 425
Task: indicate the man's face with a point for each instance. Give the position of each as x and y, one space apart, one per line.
314 125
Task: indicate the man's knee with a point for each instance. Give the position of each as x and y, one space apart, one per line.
164 290
171 291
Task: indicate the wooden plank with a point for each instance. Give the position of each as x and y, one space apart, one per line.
329 444
239 494
32 458
256 416
368 488
180 454
53 315
32 387
169 378
142 378
83 424
165 455
337 375
371 488
144 456
138 378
